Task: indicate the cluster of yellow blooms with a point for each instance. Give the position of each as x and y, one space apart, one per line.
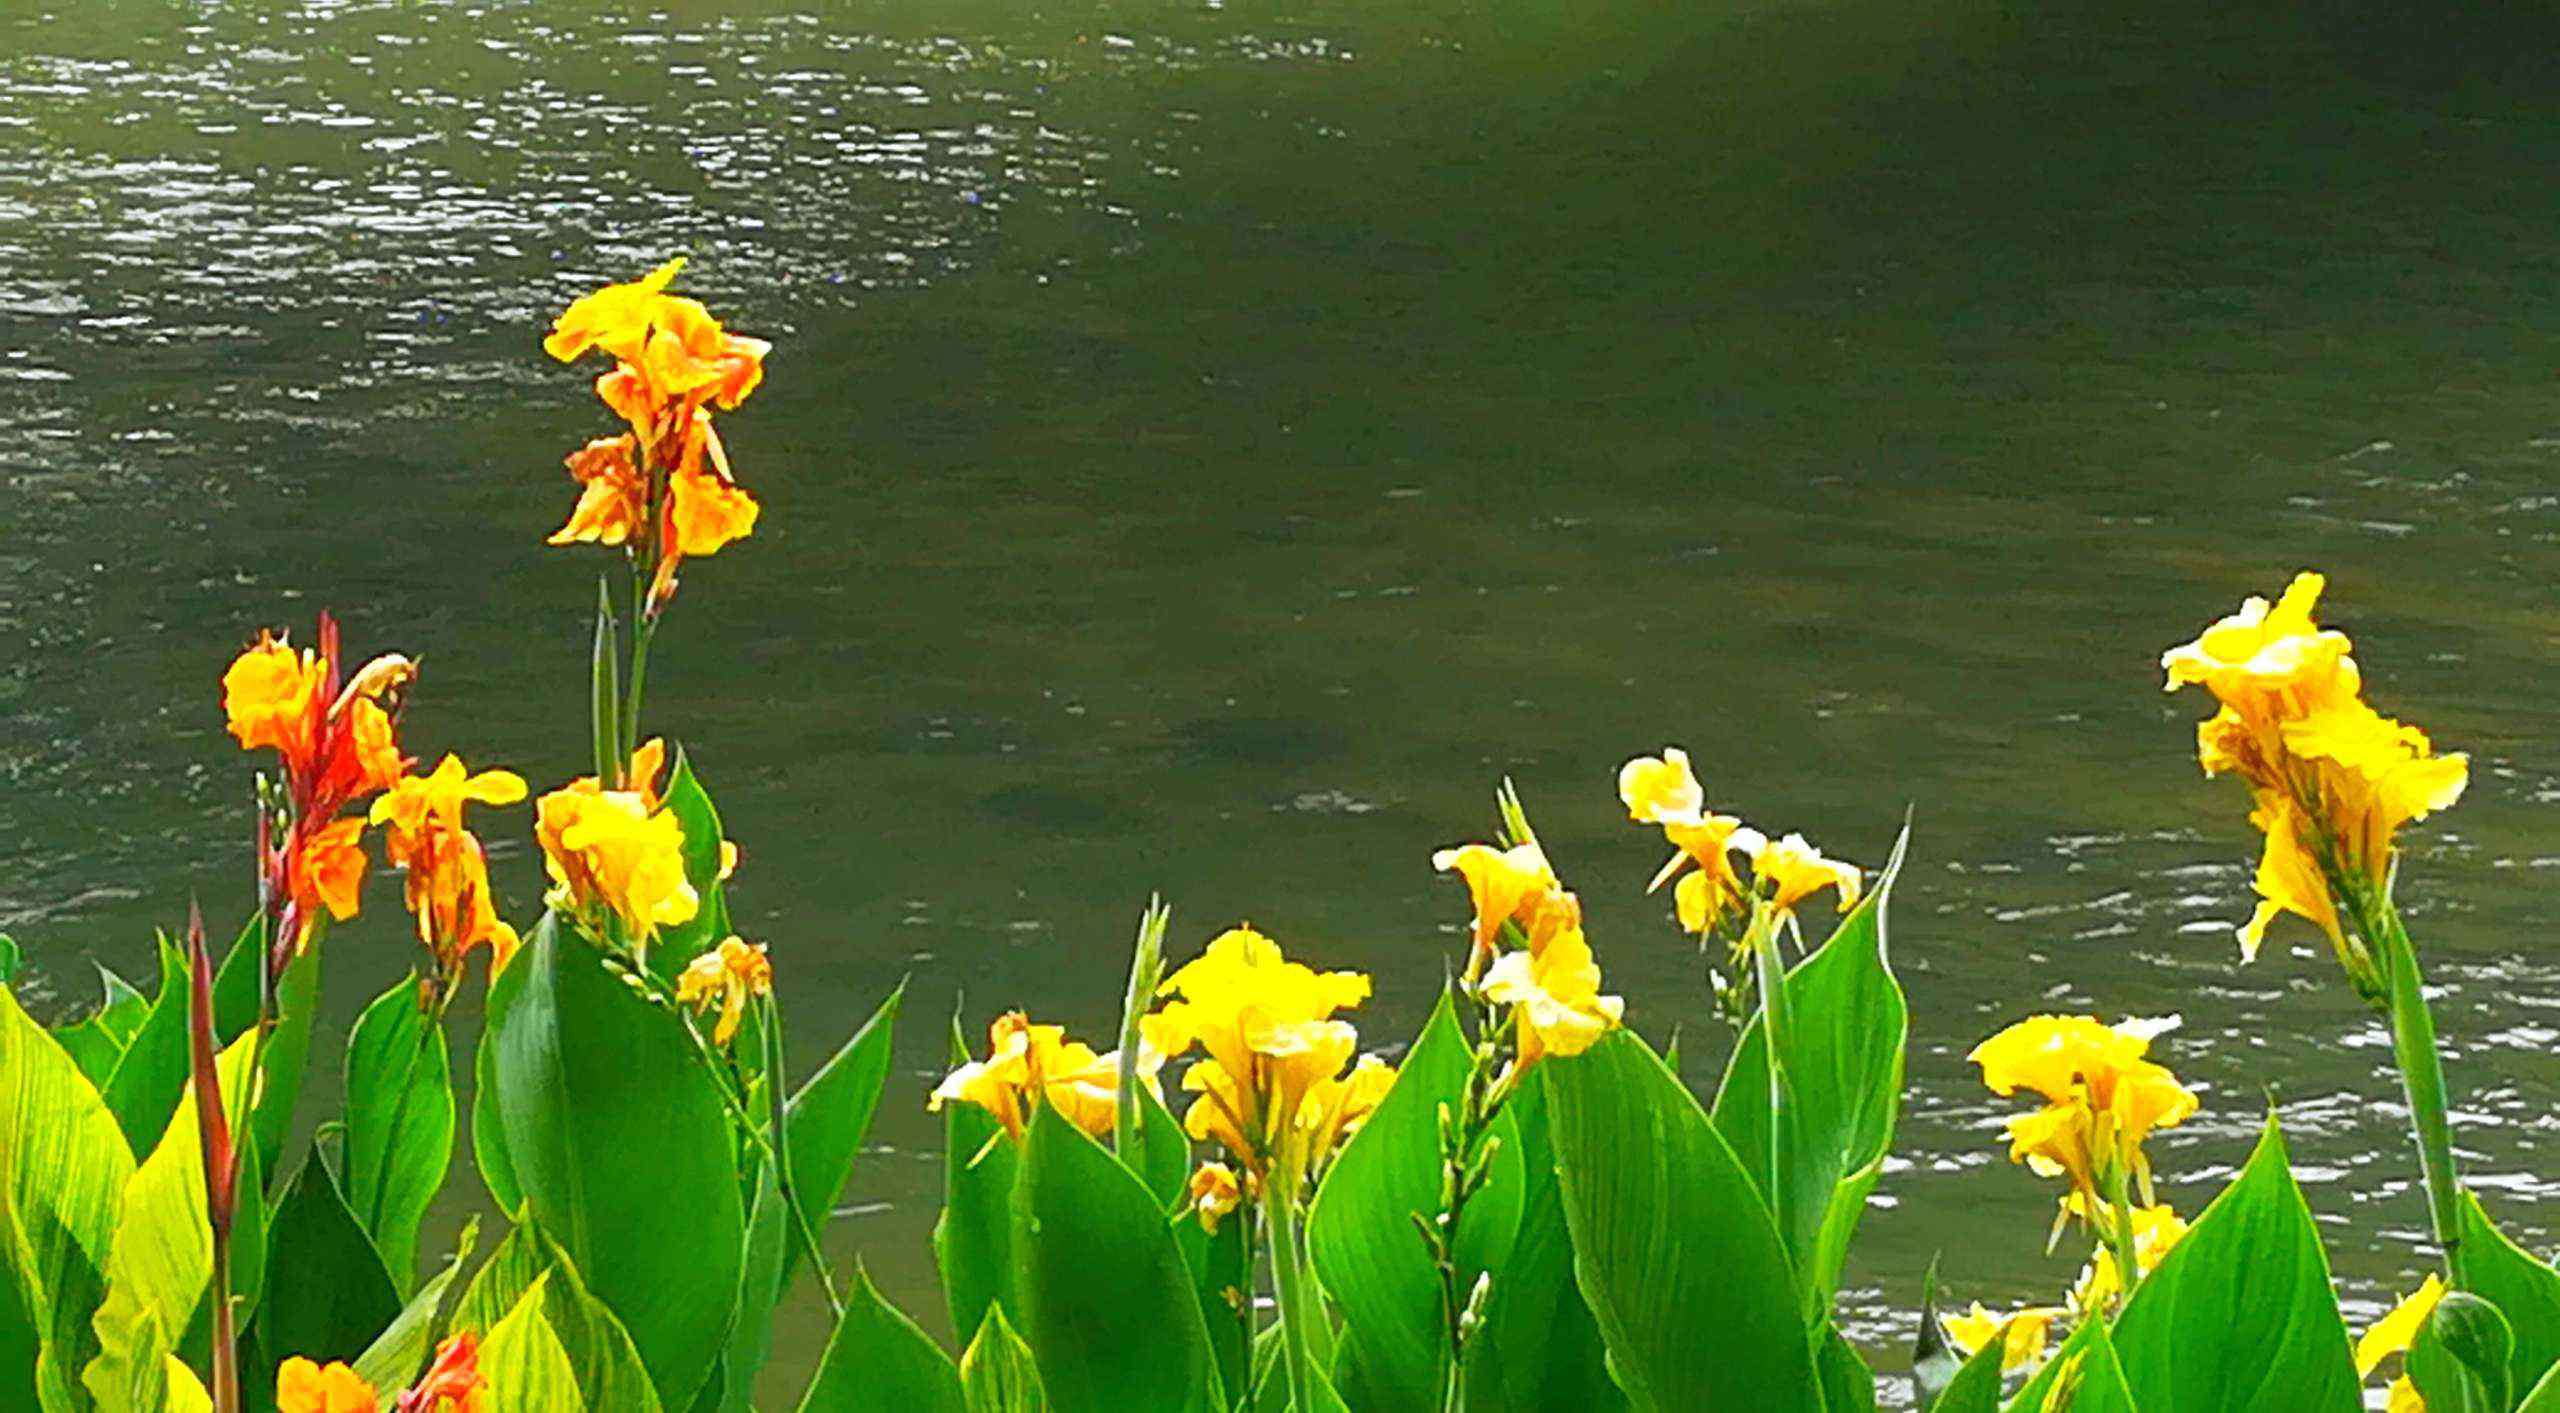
617 852
1550 981
1030 1064
664 487
2330 779
1663 790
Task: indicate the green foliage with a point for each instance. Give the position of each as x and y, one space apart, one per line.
2460 1359
622 1145
525 1363
1539 1348
98 1043
2086 1375
1851 1028
400 1351
333 1296
973 1240
603 1363
997 1374
831 1115
400 1120
2240 1316
878 1359
2525 1290
1107 1301
64 1167
1674 1250
691 805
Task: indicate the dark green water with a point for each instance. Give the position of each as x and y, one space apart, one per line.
1208 446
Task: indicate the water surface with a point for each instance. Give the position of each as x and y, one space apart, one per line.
1209 445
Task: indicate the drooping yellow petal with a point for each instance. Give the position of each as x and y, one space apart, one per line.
1555 997
615 318
1793 869
2397 1330
1661 789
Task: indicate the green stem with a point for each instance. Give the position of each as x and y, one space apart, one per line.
605 693
1289 1288
2413 1045
2119 1235
783 1183
1777 1022
641 636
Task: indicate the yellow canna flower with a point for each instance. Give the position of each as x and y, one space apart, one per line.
1241 993
305 1387
1555 996
613 506
2022 1335
269 694
606 848
1514 885
1661 789
1214 1193
2155 1230
2103 1098
1794 870
2331 780
2404 1397
728 975
616 318
1024 1060
1335 1108
2397 1330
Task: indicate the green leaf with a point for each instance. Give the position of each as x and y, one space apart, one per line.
10 957
604 689
143 1091
488 1130
399 1353
2525 1289
759 1290
691 805
64 1168
997 1374
400 1120
98 1043
525 1364
1673 1249
1852 1028
1107 1302
2240 1315
2091 1376
622 1144
286 1056
603 1363
973 1238
878 1359
1361 1236
1848 1385
1221 1265
163 1256
830 1116
1976 1385
1164 1151
1538 1348
335 1298
1935 1362
2545 1397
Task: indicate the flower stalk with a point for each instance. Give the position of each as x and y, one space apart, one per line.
215 1133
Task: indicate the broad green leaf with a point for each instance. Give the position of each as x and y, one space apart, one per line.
830 1116
1852 1027
137 1381
525 1364
1538 1347
163 1256
2240 1315
488 1130
333 1297
399 1140
1221 1265
1976 1385
997 1374
396 1356
1848 1385
2545 1397
10 957
759 1289
603 1363
286 1056
1673 1249
64 1168
1360 1232
144 1088
1164 1151
97 1044
621 1142
1107 1302
973 1238
186 1392
2526 1290
878 1359
2090 1375
691 805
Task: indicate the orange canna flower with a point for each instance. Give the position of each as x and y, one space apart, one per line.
614 507
325 870
305 1387
448 872
454 1383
